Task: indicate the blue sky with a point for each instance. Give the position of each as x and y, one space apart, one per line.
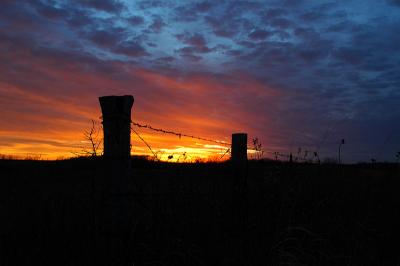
293 73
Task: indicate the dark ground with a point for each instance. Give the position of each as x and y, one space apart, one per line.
92 212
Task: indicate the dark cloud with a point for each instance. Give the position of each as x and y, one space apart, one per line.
204 6
146 4
166 59
311 55
312 16
135 20
132 49
195 40
231 23
79 18
192 12
157 25
351 55
112 6
292 3
235 53
306 33
274 12
394 2
117 40
339 27
51 12
196 43
106 38
19 17
281 34
236 8
183 13
259 34
220 29
225 33
187 53
281 23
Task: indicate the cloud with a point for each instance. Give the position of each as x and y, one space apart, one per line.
284 71
103 5
312 16
51 12
351 55
193 11
259 34
157 25
281 23
148 4
394 2
135 20
78 18
132 49
274 12
106 38
196 43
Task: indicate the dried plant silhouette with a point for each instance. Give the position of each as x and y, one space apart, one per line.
92 141
342 142
92 135
257 146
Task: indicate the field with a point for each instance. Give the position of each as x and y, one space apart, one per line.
95 212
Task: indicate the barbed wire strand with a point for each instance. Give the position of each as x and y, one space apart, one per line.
180 135
228 150
145 142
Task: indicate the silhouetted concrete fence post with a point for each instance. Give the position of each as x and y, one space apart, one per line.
116 112
239 159
239 148
113 187
239 169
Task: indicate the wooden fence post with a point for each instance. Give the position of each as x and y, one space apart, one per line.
114 207
239 148
116 112
239 169
239 159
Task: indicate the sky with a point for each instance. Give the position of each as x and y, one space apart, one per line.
298 75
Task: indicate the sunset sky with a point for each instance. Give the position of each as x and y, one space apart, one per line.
295 74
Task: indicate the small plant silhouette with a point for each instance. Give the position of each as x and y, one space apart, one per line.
316 156
183 156
342 142
92 136
257 146
305 154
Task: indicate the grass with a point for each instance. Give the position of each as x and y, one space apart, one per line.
89 212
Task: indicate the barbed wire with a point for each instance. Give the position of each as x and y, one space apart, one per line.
145 142
226 152
180 135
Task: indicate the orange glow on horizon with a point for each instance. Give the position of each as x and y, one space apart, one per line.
51 126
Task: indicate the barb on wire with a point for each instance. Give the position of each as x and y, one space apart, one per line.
145 142
180 135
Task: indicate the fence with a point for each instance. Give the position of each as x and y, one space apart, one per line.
256 149
117 128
